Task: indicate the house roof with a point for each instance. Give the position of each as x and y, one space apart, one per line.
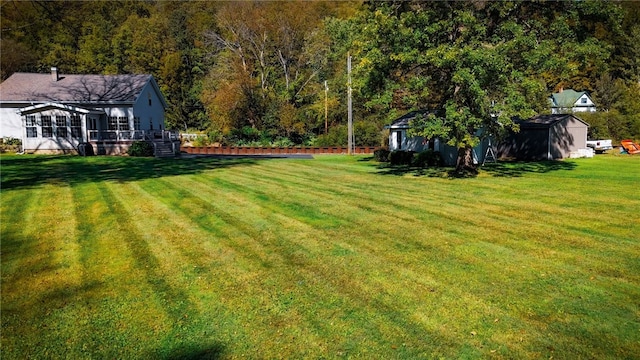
566 98
545 121
73 88
403 121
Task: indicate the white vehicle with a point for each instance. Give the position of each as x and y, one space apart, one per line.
599 146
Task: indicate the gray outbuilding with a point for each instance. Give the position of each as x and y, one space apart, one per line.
545 137
399 140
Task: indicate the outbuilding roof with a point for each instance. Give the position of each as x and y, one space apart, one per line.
73 88
403 121
545 121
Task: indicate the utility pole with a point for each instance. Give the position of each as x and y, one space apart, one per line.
326 107
350 107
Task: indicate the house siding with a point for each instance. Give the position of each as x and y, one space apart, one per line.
11 125
529 144
554 141
567 136
448 153
53 143
151 116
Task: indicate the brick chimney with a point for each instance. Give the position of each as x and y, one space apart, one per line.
54 74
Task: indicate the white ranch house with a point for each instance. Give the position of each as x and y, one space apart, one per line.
54 113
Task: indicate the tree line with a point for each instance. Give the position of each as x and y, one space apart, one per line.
255 72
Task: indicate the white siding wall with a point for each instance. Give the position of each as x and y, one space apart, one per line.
10 122
416 143
150 115
115 111
393 139
448 153
41 143
584 104
118 111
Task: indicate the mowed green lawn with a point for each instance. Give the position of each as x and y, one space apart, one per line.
117 257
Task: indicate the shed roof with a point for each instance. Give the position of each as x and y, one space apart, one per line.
403 121
73 88
545 121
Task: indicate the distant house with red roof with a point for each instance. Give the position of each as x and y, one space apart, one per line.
104 114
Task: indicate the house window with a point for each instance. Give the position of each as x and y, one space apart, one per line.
123 123
61 126
92 124
112 123
61 121
30 123
76 126
136 123
149 97
61 132
399 139
583 100
47 126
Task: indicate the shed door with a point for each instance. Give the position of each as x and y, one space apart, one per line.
399 140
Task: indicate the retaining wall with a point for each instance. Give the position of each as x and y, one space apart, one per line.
247 150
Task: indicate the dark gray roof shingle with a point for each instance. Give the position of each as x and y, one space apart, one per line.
72 88
544 121
403 121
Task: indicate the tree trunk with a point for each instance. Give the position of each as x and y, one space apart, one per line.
464 162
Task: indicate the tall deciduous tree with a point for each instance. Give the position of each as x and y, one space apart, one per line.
440 55
273 54
478 64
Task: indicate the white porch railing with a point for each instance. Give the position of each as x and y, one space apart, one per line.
132 135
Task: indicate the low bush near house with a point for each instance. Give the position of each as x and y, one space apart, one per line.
427 158
10 144
140 148
381 155
10 141
401 157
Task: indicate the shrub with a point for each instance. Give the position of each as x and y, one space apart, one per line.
10 144
367 133
10 141
401 157
283 142
140 148
337 136
201 140
427 158
381 155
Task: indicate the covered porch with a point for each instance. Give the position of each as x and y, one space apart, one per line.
65 128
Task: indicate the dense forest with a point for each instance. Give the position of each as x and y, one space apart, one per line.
275 72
